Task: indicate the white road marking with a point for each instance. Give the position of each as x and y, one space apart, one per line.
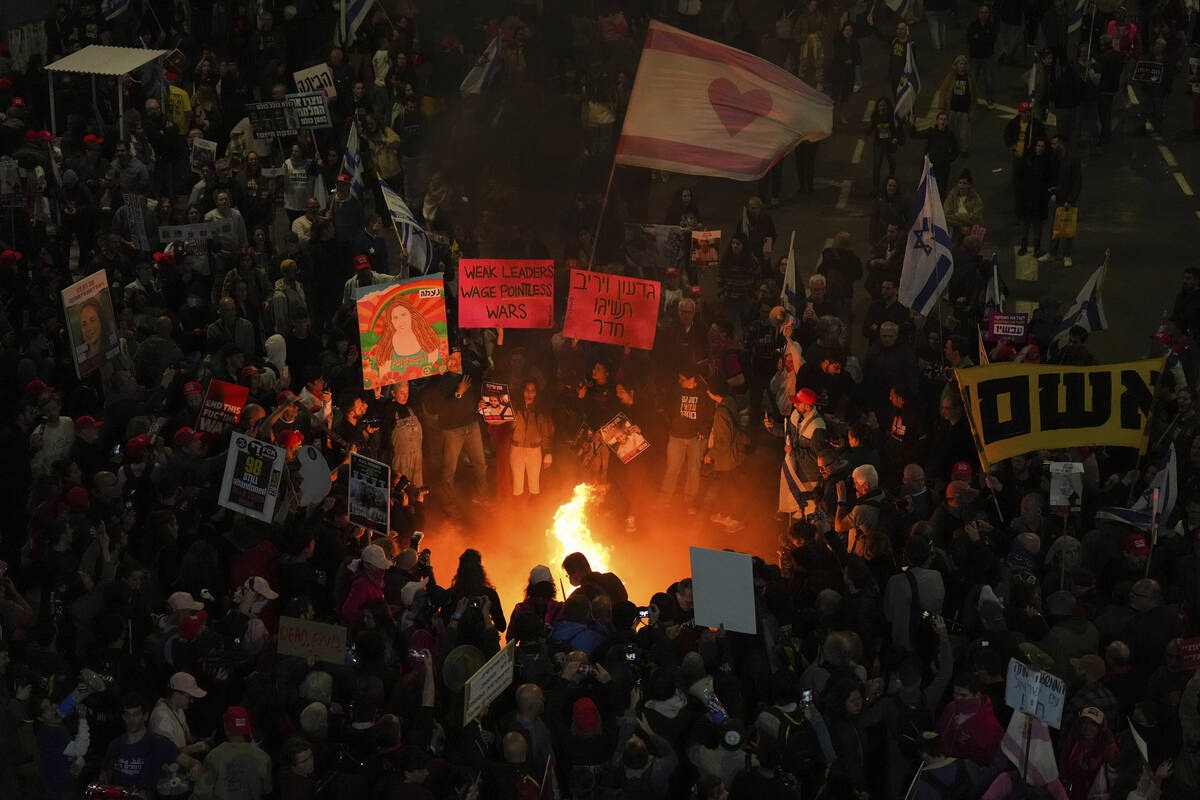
844 195
858 151
1184 186
1133 98
1026 266
870 109
1168 156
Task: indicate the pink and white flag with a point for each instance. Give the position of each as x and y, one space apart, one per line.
702 108
1041 766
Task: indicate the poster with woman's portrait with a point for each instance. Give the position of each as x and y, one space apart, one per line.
90 323
402 330
706 248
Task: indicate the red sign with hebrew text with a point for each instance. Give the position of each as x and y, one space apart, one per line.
612 309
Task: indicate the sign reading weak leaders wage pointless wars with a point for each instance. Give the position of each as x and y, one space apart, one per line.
1017 408
308 639
488 682
505 293
1035 692
612 309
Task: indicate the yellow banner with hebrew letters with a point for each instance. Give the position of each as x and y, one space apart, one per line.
1020 408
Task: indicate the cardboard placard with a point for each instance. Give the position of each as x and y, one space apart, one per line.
723 590
311 110
200 231
317 78
706 248
654 249
505 293
402 330
1035 692
91 323
1147 72
623 438
488 682
1007 325
1066 485
222 408
204 151
612 309
369 501
315 479
253 474
272 119
1189 653
496 405
306 639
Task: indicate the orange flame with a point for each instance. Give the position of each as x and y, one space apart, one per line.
570 531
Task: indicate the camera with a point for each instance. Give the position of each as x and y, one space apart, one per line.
417 654
806 697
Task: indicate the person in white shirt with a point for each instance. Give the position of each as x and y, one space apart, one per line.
51 440
169 718
235 239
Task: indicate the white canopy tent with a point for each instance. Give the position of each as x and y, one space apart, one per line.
99 59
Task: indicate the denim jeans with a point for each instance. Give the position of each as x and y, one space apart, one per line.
937 27
683 454
983 70
455 442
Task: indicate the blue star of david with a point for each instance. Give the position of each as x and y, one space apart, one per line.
919 237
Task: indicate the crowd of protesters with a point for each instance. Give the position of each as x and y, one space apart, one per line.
139 620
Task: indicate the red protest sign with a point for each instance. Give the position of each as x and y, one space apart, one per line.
506 293
222 408
612 309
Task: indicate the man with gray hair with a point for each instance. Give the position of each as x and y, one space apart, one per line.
856 517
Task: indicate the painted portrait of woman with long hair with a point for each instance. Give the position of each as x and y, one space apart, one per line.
406 340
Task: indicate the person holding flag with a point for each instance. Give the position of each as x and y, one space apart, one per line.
417 246
1085 317
941 147
928 262
902 75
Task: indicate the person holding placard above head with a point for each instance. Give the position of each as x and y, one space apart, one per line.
406 341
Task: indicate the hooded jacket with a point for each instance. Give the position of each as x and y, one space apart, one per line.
969 729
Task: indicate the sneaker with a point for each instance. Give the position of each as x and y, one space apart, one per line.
1067 262
1045 257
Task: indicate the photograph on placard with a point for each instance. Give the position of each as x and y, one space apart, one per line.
91 323
706 248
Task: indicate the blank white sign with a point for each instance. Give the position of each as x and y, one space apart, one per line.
723 590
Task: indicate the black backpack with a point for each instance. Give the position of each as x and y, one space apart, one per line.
921 635
799 748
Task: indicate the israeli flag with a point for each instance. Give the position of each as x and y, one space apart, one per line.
928 263
1075 21
1141 514
485 69
789 297
111 9
907 89
993 298
1087 313
353 162
898 7
412 235
355 13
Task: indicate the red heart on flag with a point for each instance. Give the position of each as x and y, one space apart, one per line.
737 109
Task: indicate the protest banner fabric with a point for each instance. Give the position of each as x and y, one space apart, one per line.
306 639
402 330
311 110
496 405
488 682
623 438
369 494
91 323
222 408
317 78
653 249
1035 692
612 309
253 474
1016 408
272 118
723 590
199 231
706 248
505 293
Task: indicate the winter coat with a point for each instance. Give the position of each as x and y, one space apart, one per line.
721 439
1033 180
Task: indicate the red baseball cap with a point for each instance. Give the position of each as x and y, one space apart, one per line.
343 178
192 387
189 627
92 138
19 102
806 396
87 423
10 255
45 135
584 714
1023 106
961 471
237 721
362 261
185 436
36 387
284 397
249 371
289 438
1135 545
78 499
136 447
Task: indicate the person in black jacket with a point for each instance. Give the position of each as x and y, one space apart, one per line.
981 47
1033 195
1020 133
1068 183
457 396
942 149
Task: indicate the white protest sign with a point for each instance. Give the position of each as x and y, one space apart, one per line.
488 682
723 590
318 78
315 480
1066 485
1035 692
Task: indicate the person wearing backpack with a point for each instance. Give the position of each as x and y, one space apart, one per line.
726 452
796 727
910 711
870 510
909 593
944 777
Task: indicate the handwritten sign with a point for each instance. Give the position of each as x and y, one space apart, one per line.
222 408
488 682
505 293
1006 325
612 309
311 110
1035 692
307 639
317 78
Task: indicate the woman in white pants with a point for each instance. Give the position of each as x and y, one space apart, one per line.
532 442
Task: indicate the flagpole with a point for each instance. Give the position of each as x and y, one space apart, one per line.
395 228
600 220
1091 32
